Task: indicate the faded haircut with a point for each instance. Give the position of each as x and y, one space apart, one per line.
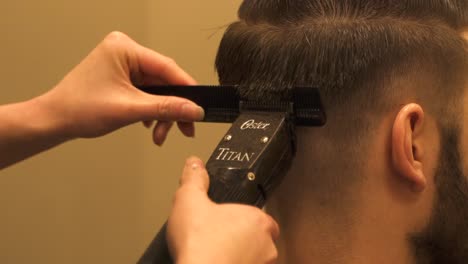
364 56
364 66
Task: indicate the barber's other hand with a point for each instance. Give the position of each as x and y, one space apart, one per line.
201 231
98 96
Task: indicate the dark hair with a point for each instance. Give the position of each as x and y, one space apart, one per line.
444 240
366 57
453 12
355 59
363 66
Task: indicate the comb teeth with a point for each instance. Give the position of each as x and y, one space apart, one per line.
266 107
223 103
308 107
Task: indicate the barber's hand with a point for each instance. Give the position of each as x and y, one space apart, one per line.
200 231
98 96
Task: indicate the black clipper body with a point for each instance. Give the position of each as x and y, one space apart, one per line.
252 158
254 155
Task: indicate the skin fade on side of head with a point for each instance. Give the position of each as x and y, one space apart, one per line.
369 59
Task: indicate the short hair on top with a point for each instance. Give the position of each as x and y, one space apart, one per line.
356 52
364 66
453 12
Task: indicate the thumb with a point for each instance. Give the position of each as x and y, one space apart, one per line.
195 175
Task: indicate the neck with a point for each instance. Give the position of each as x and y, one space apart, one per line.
309 236
322 227
339 211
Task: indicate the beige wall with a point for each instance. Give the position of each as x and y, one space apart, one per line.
97 201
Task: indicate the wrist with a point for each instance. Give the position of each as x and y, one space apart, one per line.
48 120
26 129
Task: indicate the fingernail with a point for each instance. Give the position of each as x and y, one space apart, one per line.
148 124
158 141
191 133
193 112
201 112
195 163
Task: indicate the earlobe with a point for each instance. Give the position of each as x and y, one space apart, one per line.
464 34
407 148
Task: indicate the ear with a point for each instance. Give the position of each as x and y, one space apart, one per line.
407 146
464 34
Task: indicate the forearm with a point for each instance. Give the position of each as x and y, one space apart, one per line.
27 128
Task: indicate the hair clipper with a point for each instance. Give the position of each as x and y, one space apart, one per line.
254 155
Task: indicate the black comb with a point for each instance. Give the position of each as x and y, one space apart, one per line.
223 104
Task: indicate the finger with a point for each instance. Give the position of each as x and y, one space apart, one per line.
195 175
148 124
166 108
273 227
187 128
160 132
157 65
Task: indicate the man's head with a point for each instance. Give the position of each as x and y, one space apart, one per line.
392 75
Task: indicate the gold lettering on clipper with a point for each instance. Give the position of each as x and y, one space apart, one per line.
226 154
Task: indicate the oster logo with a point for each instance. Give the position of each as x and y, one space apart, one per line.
252 124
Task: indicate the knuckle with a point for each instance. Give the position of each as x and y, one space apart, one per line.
164 107
114 40
169 64
116 36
